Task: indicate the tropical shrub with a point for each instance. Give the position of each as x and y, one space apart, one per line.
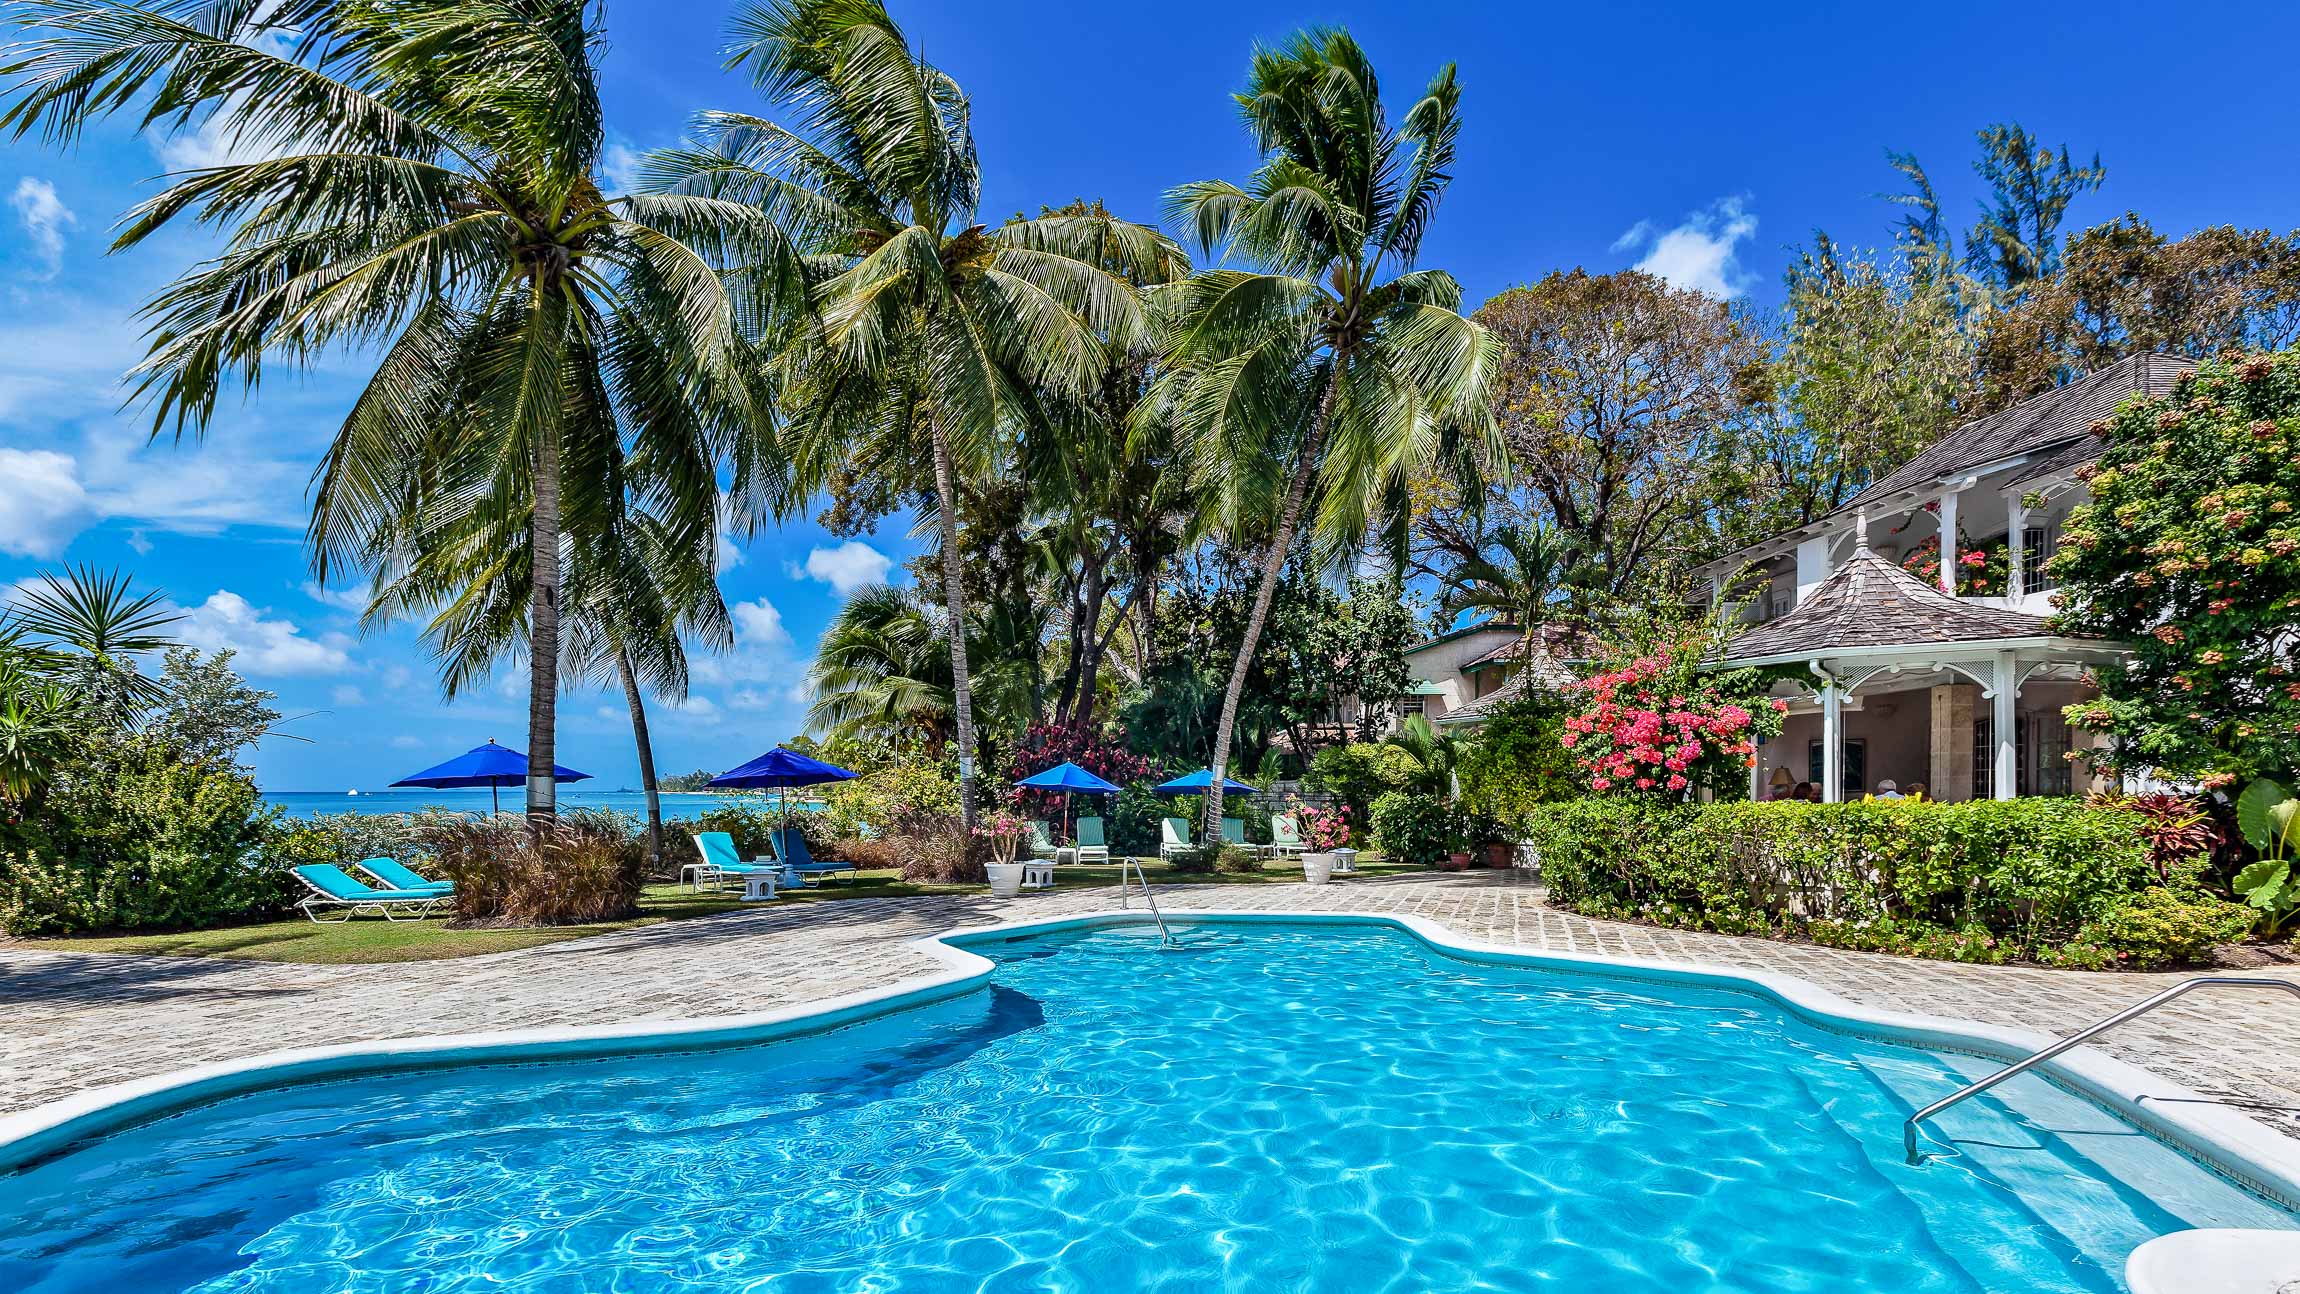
1194 861
1520 758
1414 827
1133 825
132 835
1361 772
2160 926
585 867
2189 550
883 802
1234 858
2269 816
1992 879
2181 831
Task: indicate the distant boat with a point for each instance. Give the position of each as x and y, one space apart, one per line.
351 792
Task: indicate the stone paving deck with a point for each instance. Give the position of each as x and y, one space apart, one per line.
75 1020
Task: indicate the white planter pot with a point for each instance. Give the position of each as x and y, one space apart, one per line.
1005 879
1317 869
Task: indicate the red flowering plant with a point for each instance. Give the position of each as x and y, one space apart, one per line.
1983 572
1100 751
1659 724
1323 829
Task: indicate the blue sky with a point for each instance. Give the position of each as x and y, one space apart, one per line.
1703 140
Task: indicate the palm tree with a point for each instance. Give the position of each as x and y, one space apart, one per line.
1333 361
1520 584
882 670
930 332
425 187
85 630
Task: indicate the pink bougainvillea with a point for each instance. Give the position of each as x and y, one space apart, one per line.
1323 829
1655 725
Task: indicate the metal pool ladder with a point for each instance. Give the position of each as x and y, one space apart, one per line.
2081 1036
1165 938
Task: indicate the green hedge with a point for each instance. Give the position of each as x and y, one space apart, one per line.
2042 879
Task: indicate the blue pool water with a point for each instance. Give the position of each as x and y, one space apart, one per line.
1280 1108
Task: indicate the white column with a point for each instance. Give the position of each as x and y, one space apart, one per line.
2016 544
1948 511
1832 744
2005 725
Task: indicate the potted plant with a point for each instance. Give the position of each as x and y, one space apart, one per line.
1493 840
1324 832
1457 842
1005 831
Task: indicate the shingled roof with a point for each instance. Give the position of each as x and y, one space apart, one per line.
1870 602
1540 667
2060 419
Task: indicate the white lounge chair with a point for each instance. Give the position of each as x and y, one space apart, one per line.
1174 837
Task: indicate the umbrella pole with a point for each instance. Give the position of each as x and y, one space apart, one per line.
495 794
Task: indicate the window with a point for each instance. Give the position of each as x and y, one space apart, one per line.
1777 600
1409 705
1856 769
2036 546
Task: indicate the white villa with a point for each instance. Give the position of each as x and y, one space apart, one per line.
1905 680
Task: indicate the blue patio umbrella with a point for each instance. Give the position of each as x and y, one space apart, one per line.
781 769
491 765
1067 777
1200 782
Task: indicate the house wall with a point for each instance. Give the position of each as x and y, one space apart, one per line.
1440 663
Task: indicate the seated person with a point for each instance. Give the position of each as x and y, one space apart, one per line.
1888 789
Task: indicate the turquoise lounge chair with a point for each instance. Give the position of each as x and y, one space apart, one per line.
337 890
1093 846
791 846
1041 839
1233 831
721 863
397 876
1174 836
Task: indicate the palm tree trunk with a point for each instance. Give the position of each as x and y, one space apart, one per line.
1297 492
954 598
638 704
543 634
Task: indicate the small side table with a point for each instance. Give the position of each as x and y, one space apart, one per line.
759 885
1037 874
1345 861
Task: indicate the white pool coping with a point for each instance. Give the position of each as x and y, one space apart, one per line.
2223 1138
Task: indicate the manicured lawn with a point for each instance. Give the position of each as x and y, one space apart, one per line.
370 940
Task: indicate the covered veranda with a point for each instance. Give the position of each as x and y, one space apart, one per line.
1891 679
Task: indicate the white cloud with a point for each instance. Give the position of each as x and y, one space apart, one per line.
619 167
849 566
227 621
405 742
42 503
762 654
1699 252
342 597
140 542
347 694
45 218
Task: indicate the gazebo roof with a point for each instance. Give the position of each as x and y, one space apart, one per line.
1871 603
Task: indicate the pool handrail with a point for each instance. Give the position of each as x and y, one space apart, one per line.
1909 1127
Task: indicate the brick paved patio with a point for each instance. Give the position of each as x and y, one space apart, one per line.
76 1020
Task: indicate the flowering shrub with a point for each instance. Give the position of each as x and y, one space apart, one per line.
1098 751
1323 829
2189 550
1657 726
1005 831
1980 571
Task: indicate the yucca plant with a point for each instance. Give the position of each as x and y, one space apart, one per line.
930 333
422 180
1328 365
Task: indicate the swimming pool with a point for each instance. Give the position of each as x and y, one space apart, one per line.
1280 1107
